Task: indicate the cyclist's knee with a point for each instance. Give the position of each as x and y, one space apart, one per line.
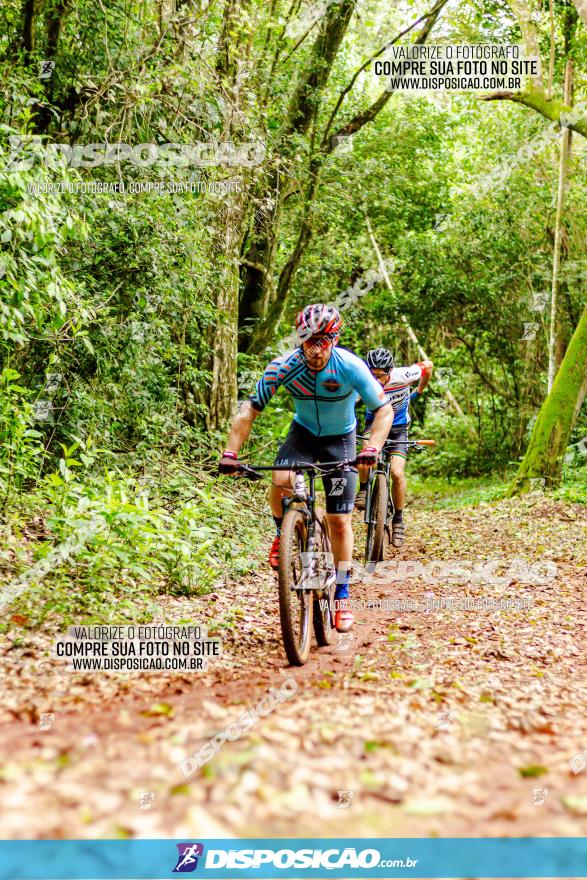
282 480
340 522
397 468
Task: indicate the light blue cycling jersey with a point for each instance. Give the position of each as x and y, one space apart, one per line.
324 400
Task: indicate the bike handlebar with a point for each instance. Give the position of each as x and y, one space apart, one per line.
252 470
406 442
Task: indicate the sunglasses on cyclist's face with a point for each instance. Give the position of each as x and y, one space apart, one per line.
316 344
381 376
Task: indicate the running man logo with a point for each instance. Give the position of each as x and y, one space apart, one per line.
444 720
345 799
46 720
530 331
342 143
187 860
539 301
439 222
338 485
46 69
443 376
344 641
146 799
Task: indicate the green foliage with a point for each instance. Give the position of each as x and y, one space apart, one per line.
19 447
125 540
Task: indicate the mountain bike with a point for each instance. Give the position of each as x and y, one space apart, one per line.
306 575
378 502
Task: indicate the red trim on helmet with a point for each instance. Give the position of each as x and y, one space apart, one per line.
313 319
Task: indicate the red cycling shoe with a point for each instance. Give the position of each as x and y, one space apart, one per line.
274 554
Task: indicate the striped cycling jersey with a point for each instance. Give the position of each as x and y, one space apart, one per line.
324 400
397 392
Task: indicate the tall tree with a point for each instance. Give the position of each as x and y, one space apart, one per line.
259 292
555 421
263 300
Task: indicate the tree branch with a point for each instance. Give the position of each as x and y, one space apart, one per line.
361 119
551 109
258 266
304 103
581 7
357 73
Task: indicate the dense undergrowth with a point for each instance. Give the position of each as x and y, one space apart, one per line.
128 539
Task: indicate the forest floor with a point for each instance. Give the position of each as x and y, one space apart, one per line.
447 722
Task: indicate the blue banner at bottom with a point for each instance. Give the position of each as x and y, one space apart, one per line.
293 857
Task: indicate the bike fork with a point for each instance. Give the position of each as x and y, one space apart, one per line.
368 500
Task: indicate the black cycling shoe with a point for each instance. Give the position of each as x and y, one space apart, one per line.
398 532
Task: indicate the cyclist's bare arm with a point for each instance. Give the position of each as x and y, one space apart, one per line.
380 426
426 375
241 427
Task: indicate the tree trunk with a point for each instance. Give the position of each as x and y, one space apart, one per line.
263 301
260 294
264 329
27 38
557 417
223 335
555 332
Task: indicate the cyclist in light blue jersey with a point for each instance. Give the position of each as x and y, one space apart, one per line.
325 381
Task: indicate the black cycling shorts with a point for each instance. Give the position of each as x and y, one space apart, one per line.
340 486
393 443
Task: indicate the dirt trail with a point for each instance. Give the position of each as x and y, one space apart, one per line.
452 722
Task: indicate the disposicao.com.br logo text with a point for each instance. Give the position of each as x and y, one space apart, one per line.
235 859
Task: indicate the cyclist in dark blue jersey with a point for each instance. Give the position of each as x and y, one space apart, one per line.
325 382
396 383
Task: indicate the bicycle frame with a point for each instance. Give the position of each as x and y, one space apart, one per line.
377 521
306 504
383 466
303 572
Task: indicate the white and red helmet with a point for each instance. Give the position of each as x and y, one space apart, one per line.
319 319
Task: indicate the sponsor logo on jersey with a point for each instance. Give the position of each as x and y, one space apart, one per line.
331 385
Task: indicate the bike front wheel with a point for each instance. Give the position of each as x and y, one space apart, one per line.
376 519
295 604
324 600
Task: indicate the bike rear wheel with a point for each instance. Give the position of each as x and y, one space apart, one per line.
377 516
295 605
324 600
